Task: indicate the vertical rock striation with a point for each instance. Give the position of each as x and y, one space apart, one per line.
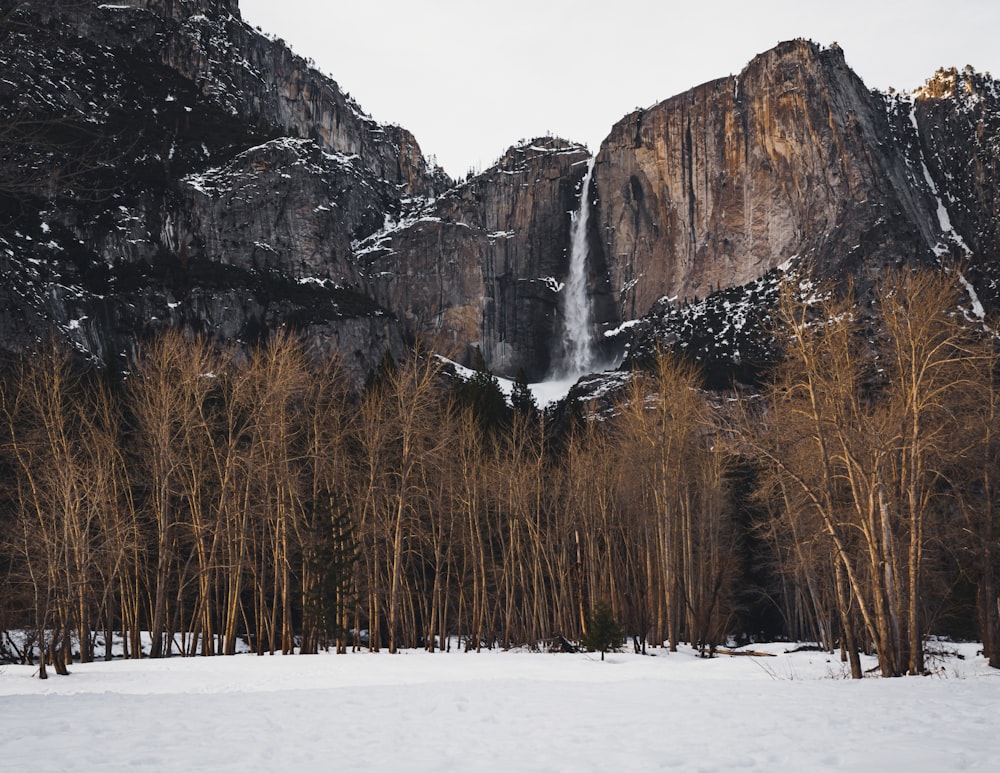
714 187
958 118
486 263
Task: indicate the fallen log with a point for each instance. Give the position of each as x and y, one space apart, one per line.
747 653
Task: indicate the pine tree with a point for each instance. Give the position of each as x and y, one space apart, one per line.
604 633
521 398
482 392
329 556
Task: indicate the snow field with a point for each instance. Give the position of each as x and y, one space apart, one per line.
500 711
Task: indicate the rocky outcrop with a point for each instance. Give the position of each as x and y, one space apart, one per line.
283 206
485 264
713 188
258 78
958 117
199 175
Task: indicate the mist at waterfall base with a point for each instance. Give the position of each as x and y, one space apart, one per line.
546 393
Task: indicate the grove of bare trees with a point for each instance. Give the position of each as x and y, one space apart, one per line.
219 496
874 442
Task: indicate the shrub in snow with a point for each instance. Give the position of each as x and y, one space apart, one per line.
604 633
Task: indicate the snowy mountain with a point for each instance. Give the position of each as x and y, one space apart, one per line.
164 164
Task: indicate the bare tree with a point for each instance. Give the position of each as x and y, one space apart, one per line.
860 440
669 438
58 471
167 396
934 363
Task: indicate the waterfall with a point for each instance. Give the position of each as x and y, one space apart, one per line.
579 353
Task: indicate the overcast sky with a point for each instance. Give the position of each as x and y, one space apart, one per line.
471 78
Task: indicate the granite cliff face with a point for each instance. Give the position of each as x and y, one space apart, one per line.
956 116
190 171
485 263
707 199
197 174
792 157
252 76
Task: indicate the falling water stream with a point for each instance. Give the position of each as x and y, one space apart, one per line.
579 352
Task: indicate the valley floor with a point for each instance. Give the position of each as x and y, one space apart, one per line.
501 711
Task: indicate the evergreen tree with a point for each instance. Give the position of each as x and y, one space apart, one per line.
604 633
483 393
521 398
329 558
381 373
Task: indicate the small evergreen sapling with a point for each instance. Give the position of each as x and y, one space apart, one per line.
521 398
603 631
483 394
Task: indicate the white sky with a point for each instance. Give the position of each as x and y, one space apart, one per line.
471 78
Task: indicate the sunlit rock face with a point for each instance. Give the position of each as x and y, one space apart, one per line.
201 175
714 187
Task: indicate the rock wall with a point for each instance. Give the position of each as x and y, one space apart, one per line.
714 187
184 188
233 189
958 116
258 78
485 264
281 206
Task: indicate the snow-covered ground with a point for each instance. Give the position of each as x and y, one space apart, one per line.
501 711
545 392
